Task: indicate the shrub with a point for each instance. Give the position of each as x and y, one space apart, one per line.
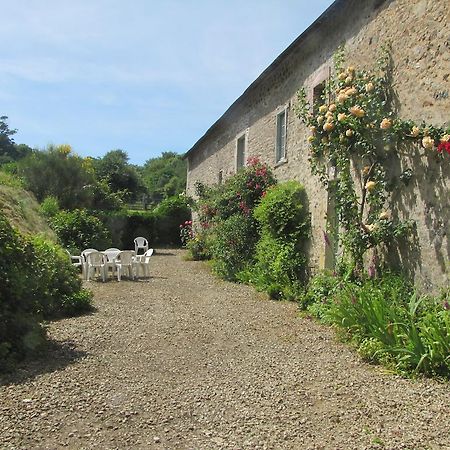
320 291
283 212
168 216
280 258
38 282
233 246
20 331
50 206
55 287
78 230
199 246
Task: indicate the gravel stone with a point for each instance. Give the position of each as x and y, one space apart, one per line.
186 361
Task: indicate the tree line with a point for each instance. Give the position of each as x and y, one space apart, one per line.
108 182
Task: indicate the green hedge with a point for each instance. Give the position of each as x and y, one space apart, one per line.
160 226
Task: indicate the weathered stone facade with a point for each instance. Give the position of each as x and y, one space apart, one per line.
418 33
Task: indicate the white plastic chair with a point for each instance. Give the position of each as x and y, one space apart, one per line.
125 261
143 261
96 264
84 254
140 243
111 255
75 260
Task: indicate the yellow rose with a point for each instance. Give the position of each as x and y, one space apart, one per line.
370 227
342 97
366 170
320 120
445 138
428 142
351 91
342 117
332 107
342 76
369 87
384 215
329 126
323 109
348 81
370 185
350 69
349 133
310 138
415 131
357 111
386 124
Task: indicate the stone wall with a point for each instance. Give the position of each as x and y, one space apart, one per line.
418 33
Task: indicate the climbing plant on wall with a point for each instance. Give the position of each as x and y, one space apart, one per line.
354 131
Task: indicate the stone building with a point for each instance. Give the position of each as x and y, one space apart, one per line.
262 122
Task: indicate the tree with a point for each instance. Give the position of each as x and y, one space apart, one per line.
59 173
164 176
122 177
9 150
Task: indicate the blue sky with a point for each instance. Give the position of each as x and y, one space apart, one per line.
142 76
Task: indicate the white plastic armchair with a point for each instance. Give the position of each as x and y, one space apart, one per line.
140 243
111 255
75 260
84 266
125 262
143 262
96 264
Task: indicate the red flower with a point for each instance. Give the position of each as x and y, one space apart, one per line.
444 146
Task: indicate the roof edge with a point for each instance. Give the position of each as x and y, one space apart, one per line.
335 6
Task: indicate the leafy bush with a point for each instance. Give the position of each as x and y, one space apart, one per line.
320 291
55 287
280 258
238 195
233 245
50 206
78 230
20 331
168 216
283 212
38 282
199 247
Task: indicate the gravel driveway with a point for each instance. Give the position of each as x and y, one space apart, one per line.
186 361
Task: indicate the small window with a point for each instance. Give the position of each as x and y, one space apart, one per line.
319 96
280 146
220 177
240 152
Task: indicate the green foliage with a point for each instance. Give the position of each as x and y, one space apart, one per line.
55 287
200 246
283 214
121 177
387 321
69 178
235 238
78 230
280 257
38 282
164 176
238 195
169 214
159 226
50 206
320 291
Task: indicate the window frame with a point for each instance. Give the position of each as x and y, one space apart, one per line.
281 153
242 137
